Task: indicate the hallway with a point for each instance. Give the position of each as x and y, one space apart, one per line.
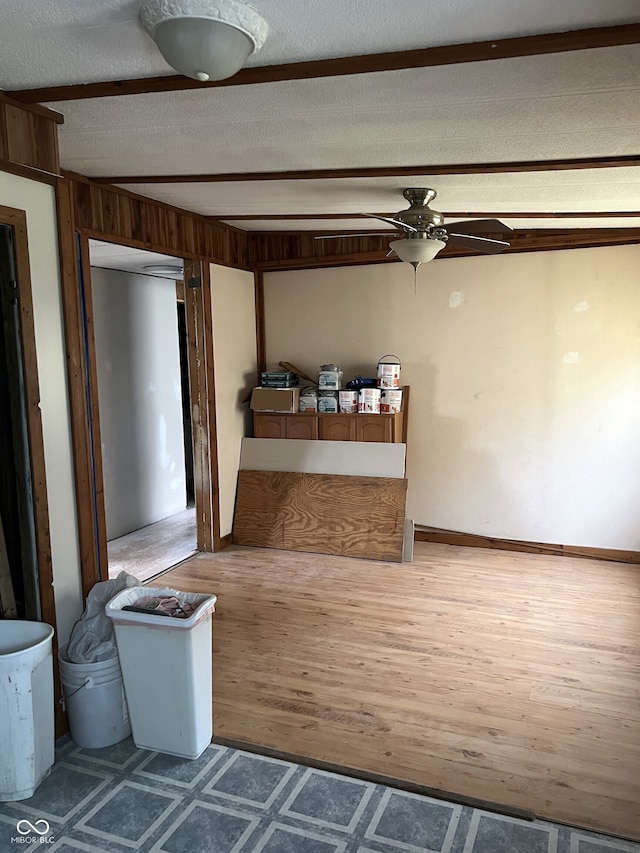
151 550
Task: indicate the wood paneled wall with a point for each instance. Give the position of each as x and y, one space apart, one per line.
110 213
28 139
270 251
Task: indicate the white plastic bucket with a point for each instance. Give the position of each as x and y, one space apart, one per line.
389 372
348 401
27 746
369 401
95 701
166 665
390 400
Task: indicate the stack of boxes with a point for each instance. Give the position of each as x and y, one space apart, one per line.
278 392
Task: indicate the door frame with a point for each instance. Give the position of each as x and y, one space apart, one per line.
83 391
17 219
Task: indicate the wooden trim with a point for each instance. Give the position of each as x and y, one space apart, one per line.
96 234
92 379
453 54
210 398
134 196
18 220
493 168
261 340
28 139
225 542
29 172
77 379
120 216
472 540
405 409
200 353
32 107
283 217
280 251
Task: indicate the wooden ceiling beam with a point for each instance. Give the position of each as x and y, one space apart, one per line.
453 54
36 109
469 214
382 171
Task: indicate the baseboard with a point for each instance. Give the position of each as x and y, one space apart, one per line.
472 540
225 541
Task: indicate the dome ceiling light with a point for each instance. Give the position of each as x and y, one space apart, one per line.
174 271
204 39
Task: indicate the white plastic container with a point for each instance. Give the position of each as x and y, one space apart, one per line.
348 402
369 401
27 748
308 400
328 401
166 669
330 378
95 702
390 400
389 371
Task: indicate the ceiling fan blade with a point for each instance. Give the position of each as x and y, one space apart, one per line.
397 222
361 234
478 226
482 244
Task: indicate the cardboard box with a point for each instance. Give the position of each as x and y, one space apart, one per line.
283 400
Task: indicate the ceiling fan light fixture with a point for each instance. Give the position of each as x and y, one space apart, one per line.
417 251
204 39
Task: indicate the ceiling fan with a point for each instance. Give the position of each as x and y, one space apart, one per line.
425 234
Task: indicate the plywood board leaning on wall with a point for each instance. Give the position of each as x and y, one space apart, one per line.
321 513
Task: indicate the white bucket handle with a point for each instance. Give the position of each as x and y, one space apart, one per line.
86 683
390 355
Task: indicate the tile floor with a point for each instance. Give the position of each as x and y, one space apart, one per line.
122 799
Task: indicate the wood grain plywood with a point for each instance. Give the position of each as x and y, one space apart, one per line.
482 674
324 514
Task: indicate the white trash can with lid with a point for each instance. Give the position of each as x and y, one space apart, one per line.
27 740
166 670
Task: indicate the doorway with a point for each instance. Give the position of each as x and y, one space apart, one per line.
144 400
26 578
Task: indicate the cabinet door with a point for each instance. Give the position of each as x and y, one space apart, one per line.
338 427
303 426
375 428
267 425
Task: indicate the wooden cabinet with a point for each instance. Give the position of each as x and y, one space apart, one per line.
268 425
334 427
377 428
302 427
273 425
338 427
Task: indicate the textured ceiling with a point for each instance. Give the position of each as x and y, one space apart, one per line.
78 42
111 256
579 104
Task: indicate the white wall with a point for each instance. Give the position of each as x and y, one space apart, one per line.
139 393
234 342
38 200
525 382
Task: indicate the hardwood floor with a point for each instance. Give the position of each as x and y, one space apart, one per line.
146 552
512 678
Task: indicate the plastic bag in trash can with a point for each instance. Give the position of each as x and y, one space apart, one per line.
92 638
